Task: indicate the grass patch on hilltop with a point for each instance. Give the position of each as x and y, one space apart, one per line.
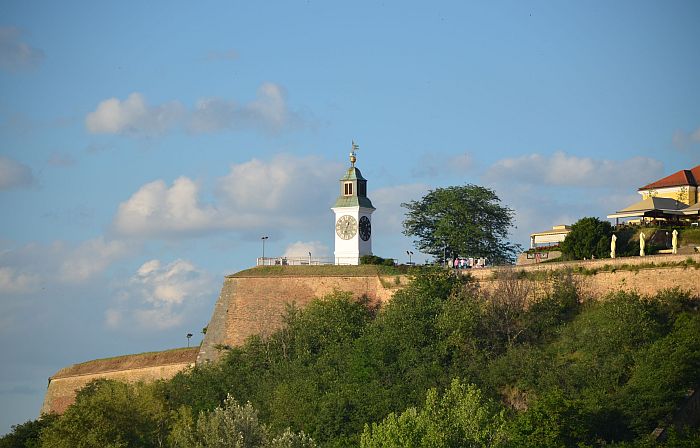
323 271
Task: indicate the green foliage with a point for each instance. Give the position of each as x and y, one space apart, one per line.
110 414
689 236
231 425
547 316
26 435
553 421
469 220
373 259
462 417
662 373
588 237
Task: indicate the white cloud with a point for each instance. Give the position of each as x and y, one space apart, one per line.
302 249
268 112
90 258
156 209
16 55
14 282
285 191
561 169
133 116
14 174
157 296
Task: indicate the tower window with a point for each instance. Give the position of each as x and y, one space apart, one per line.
361 189
348 188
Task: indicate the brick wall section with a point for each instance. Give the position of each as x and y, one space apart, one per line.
64 385
255 305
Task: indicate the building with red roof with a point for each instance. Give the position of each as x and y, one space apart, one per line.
675 197
681 186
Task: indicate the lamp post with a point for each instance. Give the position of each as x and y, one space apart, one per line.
263 238
189 335
410 254
309 258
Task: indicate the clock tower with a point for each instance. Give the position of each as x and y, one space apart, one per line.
353 216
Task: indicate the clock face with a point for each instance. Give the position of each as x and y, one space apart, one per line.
346 227
365 228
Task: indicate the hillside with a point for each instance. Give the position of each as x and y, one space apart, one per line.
444 363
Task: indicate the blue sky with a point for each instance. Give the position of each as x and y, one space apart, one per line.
145 148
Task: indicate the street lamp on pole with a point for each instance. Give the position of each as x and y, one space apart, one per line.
263 238
189 335
410 254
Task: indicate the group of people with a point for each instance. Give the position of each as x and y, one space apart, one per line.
469 263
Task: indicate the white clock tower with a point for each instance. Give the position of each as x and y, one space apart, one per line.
353 216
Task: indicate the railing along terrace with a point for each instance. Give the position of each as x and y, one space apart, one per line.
293 261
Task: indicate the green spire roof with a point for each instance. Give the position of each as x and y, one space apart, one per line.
353 201
353 174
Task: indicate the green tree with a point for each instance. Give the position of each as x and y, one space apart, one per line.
588 237
26 435
110 414
662 375
231 425
552 421
462 417
465 220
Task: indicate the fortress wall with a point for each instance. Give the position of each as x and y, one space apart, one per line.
656 260
65 384
646 275
256 305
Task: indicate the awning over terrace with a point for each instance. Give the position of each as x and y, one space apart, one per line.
692 210
652 207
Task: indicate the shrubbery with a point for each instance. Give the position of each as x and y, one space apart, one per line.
442 364
589 237
373 259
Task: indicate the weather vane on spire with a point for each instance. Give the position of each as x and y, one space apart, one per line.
353 156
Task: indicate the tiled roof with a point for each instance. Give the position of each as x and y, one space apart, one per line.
679 178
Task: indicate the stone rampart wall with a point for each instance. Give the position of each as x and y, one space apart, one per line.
256 305
61 391
646 275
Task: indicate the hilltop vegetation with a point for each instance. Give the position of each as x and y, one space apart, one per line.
442 364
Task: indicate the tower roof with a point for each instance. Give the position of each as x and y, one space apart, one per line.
353 201
353 173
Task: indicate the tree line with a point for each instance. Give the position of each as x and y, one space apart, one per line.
443 364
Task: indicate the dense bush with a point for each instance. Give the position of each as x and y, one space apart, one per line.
553 372
589 237
373 259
